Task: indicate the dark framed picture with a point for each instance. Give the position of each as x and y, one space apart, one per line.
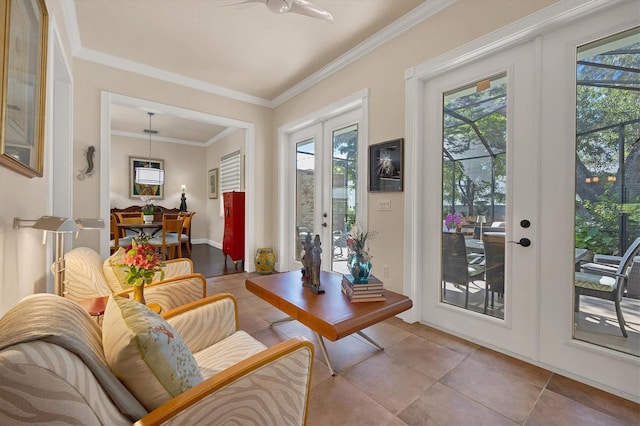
386 166
212 183
22 85
137 190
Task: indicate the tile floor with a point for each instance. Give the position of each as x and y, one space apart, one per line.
427 377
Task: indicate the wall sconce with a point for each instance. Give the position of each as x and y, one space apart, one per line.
58 226
183 199
611 178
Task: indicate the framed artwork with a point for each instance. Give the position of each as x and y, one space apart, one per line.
137 190
386 166
212 183
22 76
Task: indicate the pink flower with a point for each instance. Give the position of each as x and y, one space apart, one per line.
143 262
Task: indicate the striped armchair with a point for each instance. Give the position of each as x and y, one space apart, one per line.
56 367
87 276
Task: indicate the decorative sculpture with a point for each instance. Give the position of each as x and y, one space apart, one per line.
88 171
306 259
312 261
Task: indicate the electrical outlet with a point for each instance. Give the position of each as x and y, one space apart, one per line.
384 205
385 270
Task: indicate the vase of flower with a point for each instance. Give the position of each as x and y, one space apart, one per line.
142 262
148 218
138 294
359 259
360 269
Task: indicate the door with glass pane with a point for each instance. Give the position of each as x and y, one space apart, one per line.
325 196
480 126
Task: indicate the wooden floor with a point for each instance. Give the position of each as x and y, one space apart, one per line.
209 261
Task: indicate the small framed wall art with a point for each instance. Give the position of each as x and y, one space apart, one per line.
386 166
212 183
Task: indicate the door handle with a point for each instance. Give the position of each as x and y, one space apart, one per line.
524 242
324 225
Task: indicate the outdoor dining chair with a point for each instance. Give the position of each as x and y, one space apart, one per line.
456 268
596 281
494 267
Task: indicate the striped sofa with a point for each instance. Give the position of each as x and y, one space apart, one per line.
55 370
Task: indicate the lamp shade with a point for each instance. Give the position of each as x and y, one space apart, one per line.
56 224
481 219
149 176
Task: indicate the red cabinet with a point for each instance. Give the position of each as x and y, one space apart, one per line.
233 240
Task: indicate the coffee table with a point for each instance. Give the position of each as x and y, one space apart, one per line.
330 315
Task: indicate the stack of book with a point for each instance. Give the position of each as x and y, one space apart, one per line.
373 291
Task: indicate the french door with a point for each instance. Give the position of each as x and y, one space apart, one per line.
326 194
480 145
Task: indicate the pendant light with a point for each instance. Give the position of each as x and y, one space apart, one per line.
149 175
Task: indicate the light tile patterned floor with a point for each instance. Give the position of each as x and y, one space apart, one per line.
427 377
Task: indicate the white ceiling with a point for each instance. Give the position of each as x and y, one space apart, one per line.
244 51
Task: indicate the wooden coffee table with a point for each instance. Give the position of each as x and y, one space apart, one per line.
330 315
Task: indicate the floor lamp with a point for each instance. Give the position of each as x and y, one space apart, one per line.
59 226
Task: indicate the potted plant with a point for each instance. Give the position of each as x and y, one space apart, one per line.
147 210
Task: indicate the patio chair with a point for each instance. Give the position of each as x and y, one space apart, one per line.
456 268
494 267
605 283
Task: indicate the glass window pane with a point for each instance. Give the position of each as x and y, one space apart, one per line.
305 191
608 192
474 187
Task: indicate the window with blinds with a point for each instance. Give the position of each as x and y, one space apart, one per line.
230 172
229 175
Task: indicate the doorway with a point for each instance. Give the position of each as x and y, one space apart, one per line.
109 99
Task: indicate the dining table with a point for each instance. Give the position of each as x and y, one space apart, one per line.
143 228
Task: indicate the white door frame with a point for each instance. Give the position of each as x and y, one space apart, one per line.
286 157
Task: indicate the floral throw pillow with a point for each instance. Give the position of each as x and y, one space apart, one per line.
145 353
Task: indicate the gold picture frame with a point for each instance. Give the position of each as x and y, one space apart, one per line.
24 26
212 183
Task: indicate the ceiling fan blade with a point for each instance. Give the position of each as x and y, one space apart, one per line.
245 2
307 8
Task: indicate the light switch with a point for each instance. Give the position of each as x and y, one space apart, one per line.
384 205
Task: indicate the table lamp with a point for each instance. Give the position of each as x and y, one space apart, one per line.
183 199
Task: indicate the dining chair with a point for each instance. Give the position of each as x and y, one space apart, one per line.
129 217
117 239
494 267
185 234
169 240
597 281
456 268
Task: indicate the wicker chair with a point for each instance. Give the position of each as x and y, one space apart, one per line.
456 268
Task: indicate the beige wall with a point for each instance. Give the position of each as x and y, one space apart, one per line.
382 72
